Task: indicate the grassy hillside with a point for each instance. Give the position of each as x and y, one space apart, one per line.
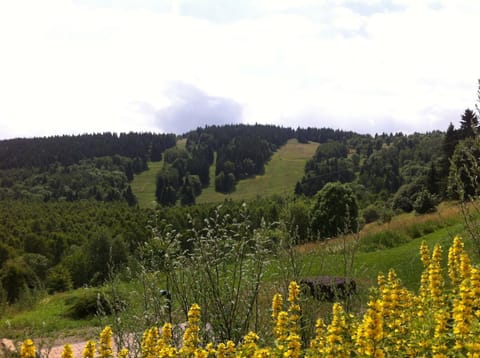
281 173
143 185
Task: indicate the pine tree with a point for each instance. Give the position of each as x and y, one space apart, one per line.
451 140
130 197
468 124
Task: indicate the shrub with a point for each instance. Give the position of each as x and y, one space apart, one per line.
425 202
93 302
59 279
370 214
383 240
421 229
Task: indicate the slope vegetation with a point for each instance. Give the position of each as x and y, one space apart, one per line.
143 185
281 174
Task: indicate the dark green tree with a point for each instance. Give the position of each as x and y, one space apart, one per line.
187 195
130 197
464 178
335 211
451 140
59 279
168 182
425 202
17 277
468 124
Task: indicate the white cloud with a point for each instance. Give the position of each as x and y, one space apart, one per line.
68 67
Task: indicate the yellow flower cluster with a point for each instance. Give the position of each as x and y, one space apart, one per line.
442 320
28 349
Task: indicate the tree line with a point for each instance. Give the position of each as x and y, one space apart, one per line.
70 149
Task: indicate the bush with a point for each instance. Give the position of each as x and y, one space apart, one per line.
383 240
421 229
370 214
425 203
17 277
59 279
298 221
91 303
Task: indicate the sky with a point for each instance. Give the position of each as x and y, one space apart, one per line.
371 66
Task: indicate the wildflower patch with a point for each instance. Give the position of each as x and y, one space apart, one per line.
441 320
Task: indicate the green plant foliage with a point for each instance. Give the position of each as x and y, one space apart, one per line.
335 211
464 179
92 302
220 266
370 214
383 240
17 277
86 238
59 279
296 217
425 202
68 150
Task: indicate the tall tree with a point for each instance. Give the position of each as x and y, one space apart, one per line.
451 140
335 211
468 124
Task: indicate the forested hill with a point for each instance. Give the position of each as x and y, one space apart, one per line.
68 150
89 166
390 172
383 167
380 168
241 151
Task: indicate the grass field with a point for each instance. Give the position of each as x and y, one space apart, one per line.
281 174
143 185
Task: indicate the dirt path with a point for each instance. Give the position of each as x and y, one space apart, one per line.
53 352
56 351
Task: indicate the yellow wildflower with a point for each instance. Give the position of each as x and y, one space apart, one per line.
105 344
67 351
149 343
294 308
435 279
370 331
89 350
123 353
28 349
454 257
277 303
191 338
337 343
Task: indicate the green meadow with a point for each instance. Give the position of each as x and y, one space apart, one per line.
281 174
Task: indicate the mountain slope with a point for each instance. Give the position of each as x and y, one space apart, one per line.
281 174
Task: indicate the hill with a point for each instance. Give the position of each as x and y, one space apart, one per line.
143 185
281 173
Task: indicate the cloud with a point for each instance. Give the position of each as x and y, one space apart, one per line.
191 108
78 66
